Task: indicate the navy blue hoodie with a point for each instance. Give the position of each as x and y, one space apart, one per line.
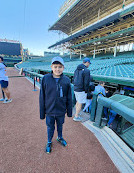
81 78
55 98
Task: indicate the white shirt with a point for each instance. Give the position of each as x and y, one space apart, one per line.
3 72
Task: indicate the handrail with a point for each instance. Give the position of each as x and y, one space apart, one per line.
119 108
33 73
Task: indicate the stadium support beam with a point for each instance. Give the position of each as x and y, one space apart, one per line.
94 54
123 5
82 24
99 14
115 49
70 55
71 30
80 54
105 50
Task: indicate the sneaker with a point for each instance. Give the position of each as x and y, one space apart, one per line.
2 99
48 148
62 141
77 119
7 101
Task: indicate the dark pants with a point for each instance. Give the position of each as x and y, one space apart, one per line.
50 122
112 116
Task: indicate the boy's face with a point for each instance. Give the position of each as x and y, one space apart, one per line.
57 69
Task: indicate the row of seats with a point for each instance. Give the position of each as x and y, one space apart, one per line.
118 67
117 71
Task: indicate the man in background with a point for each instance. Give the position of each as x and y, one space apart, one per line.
81 86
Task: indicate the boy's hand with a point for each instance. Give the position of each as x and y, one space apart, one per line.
43 118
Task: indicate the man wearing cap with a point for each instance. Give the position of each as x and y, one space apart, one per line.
55 101
81 86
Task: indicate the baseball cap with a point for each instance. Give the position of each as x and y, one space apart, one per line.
59 59
86 60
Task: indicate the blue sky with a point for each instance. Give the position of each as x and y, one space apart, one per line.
28 21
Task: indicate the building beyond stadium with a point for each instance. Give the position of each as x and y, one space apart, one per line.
11 50
10 47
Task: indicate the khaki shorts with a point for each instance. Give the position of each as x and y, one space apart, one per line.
81 97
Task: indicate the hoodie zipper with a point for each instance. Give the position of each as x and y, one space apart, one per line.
61 91
59 87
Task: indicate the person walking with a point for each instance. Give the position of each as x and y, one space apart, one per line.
81 86
55 101
4 82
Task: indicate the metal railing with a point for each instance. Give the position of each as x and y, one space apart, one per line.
122 110
34 76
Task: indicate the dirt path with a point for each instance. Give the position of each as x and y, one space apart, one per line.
23 137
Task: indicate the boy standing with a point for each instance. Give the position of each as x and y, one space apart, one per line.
55 101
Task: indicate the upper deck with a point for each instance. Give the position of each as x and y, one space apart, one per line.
67 4
76 15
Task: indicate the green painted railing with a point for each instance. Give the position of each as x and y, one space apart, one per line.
121 104
127 11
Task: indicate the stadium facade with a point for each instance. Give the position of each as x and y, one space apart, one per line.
95 27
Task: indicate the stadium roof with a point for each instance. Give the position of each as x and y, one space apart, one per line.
85 12
89 29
